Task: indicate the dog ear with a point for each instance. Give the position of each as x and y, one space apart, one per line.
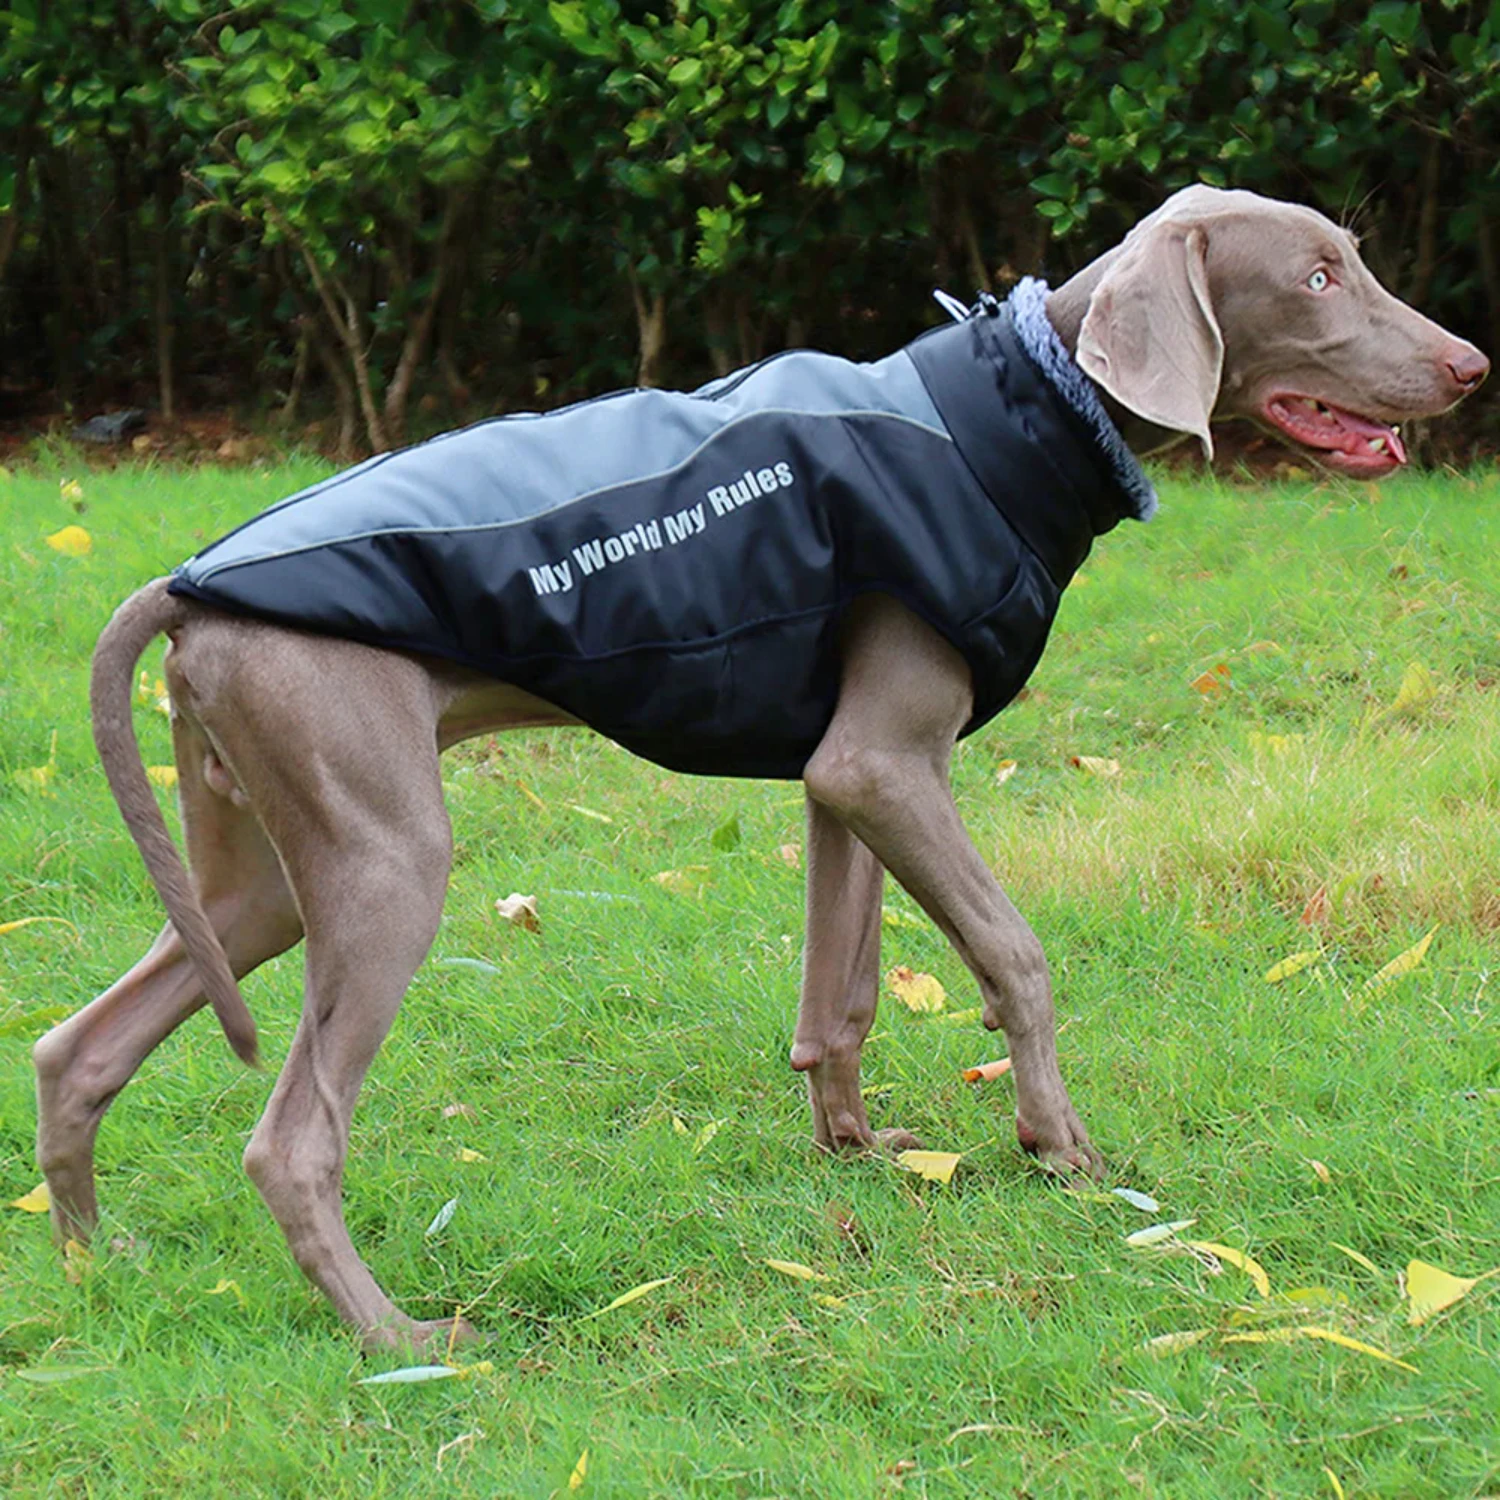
1150 337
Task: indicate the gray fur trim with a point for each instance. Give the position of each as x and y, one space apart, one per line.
1028 306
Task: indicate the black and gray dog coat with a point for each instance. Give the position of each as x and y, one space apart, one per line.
671 568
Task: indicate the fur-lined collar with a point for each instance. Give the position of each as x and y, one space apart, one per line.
1028 305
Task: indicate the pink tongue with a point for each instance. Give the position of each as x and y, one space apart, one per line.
1361 429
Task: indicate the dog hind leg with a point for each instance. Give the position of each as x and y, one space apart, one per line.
85 1061
336 746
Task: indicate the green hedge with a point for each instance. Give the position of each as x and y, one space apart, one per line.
448 207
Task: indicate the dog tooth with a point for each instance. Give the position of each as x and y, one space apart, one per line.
1377 445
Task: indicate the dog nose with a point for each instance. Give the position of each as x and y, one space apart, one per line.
1467 366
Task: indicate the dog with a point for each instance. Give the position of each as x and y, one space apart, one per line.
812 569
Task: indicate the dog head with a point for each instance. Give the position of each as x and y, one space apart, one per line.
1227 304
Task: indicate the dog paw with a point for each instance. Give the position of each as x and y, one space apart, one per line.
1073 1156
894 1139
432 1339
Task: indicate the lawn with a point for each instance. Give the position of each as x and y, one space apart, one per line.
1300 686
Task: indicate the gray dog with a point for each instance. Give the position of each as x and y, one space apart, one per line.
813 569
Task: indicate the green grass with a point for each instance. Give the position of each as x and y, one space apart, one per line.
991 1338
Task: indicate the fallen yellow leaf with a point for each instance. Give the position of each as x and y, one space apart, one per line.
1357 1258
935 1166
1293 963
1333 1479
1004 770
1430 1289
1274 744
21 922
580 1471
918 992
1154 1234
626 1298
1319 1170
1344 1341
1401 965
37 1201
71 541
1096 765
78 1262
39 778
465 1154
690 880
163 776
520 911
1235 1258
796 1270
228 1285
1171 1343
154 693
1418 689
588 812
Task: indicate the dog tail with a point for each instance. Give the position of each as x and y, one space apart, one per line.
137 622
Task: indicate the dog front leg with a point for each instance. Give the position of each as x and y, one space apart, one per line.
840 978
882 770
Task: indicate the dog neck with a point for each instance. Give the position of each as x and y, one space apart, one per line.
1038 336
1066 309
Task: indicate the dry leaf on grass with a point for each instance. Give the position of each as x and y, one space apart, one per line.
1293 963
626 1298
1430 1289
19 922
1095 765
580 1471
935 1166
1214 681
1401 965
1236 1258
1155 1234
1004 770
162 776
796 1270
1172 1343
997 1069
1416 693
37 1201
918 992
1357 1258
71 541
690 880
1318 909
520 910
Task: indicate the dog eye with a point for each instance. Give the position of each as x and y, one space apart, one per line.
1319 281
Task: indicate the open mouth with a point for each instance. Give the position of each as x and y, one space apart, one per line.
1341 439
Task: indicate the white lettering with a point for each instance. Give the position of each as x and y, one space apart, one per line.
590 557
784 474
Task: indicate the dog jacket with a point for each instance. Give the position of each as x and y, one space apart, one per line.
671 568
